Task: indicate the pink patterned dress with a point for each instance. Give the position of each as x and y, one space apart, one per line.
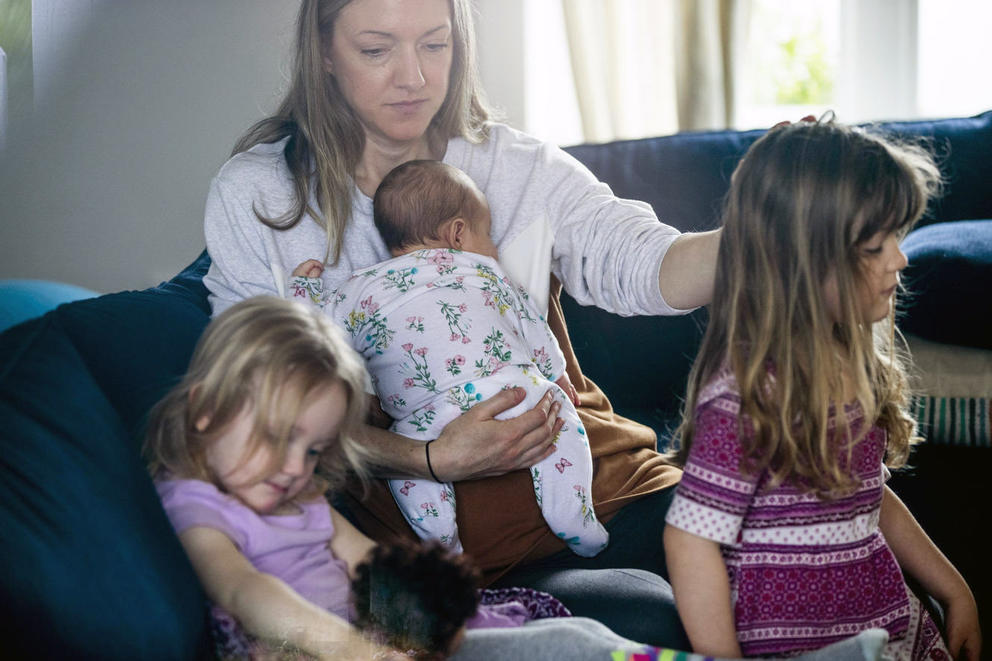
804 572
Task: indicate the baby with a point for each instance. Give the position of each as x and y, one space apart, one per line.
441 327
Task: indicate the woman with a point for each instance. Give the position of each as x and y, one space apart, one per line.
381 82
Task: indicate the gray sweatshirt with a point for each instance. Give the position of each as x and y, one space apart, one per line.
549 214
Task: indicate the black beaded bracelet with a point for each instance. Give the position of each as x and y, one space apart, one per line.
430 469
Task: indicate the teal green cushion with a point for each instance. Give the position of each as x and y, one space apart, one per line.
21 300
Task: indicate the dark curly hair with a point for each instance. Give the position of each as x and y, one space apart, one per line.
415 597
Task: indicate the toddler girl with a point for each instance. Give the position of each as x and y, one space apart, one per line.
272 394
242 451
442 327
783 536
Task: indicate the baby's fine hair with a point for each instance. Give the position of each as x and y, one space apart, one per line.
415 596
802 203
417 197
270 354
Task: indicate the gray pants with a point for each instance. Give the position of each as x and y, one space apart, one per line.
581 639
572 638
625 587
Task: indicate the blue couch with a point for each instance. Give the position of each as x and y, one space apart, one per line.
91 568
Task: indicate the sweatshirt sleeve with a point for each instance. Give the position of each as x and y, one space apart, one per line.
239 268
243 262
607 250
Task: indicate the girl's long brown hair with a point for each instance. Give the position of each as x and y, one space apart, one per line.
325 138
801 204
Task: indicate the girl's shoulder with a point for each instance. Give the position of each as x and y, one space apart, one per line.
721 389
178 492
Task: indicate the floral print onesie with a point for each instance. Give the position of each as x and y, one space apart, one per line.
441 330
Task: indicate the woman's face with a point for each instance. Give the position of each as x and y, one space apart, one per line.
391 60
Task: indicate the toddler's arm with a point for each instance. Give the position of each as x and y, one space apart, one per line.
920 557
349 543
264 605
702 592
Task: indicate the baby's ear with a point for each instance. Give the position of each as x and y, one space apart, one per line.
454 232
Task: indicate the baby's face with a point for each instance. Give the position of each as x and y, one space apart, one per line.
476 238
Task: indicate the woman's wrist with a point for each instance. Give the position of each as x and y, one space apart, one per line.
427 456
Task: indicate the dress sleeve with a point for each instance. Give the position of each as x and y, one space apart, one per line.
714 495
192 504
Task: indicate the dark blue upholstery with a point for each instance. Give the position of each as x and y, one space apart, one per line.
91 568
949 279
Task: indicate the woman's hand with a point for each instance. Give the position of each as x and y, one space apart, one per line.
476 445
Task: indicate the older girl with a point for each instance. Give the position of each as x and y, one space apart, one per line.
783 536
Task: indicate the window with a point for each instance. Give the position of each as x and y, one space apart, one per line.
787 60
16 75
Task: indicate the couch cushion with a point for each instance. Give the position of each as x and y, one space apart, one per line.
21 300
136 344
962 146
950 268
91 566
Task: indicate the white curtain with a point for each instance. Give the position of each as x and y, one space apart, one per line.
651 67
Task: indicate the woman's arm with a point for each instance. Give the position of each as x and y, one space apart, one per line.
687 273
264 605
474 445
920 558
702 592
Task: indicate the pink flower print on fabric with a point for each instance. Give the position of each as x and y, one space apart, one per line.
369 305
454 364
430 509
442 260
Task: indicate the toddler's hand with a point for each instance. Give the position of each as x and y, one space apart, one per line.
566 384
308 269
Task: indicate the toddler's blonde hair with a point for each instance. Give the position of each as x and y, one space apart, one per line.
269 354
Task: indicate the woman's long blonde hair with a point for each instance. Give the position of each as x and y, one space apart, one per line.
801 204
268 354
326 139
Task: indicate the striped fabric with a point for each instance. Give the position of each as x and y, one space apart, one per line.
954 420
